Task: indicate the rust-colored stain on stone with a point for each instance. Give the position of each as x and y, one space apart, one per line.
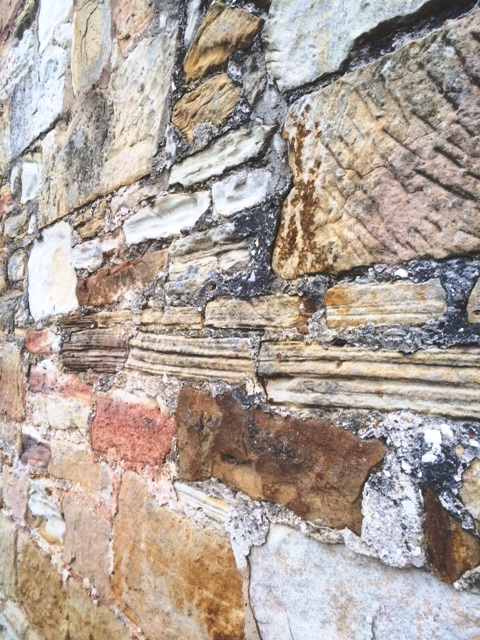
311 467
134 432
451 550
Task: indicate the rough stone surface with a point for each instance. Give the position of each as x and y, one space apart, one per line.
243 190
311 467
15 63
31 179
392 184
50 16
42 341
227 152
129 427
305 41
52 279
470 491
258 313
87 255
210 103
91 43
131 17
87 543
451 550
172 575
34 453
360 598
354 304
12 391
173 317
168 216
223 31
433 381
102 350
473 307
43 504
74 463
8 555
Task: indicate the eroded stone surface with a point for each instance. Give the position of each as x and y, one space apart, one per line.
91 42
102 350
313 468
8 555
172 575
380 160
15 63
470 491
74 463
12 391
131 17
325 591
223 31
473 307
210 103
129 427
44 505
354 304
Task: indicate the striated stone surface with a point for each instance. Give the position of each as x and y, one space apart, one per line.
173 317
353 305
52 279
241 191
74 463
12 391
227 152
38 99
210 103
87 543
473 307
194 259
8 555
88 621
172 575
223 31
91 43
130 427
122 281
15 63
267 312
311 467
451 550
325 591
199 359
381 158
41 591
306 40
62 401
470 490
433 381
168 216
102 350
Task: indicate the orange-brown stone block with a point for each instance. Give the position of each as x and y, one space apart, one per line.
12 390
311 467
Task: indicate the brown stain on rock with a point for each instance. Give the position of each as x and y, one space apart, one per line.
311 467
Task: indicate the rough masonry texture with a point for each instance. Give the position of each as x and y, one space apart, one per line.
239 320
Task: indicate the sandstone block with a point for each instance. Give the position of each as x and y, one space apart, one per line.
102 350
8 554
168 216
306 40
311 467
470 490
173 317
229 151
122 281
74 463
473 306
210 103
290 571
41 591
241 191
87 543
128 427
91 43
16 487
380 161
88 621
353 305
52 279
451 550
43 342
267 312
131 17
223 31
12 390
432 381
170 575
199 359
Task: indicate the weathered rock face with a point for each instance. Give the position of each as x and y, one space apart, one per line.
172 575
12 390
311 467
470 491
102 350
8 545
392 184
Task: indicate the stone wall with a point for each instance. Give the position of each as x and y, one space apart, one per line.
239 320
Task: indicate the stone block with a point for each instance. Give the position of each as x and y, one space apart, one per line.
51 15
132 428
470 490
316 470
473 306
243 190
91 43
74 463
12 389
170 575
16 487
35 454
43 341
381 159
17 266
101 350
130 18
8 555
87 255
173 317
31 179
16 62
43 503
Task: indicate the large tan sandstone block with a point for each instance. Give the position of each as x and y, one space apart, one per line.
8 557
12 390
89 621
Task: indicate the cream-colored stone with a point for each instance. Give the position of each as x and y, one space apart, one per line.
172 575
15 623
433 381
266 312
473 306
354 304
210 103
173 317
87 543
229 151
226 359
15 63
31 178
74 463
16 487
43 503
243 190
17 266
89 621
8 557
91 43
51 15
131 17
470 490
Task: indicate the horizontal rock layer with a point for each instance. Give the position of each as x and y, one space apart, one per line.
99 350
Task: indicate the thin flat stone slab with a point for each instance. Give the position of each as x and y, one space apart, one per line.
385 160
433 381
226 359
328 592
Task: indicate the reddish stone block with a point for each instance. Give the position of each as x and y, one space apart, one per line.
62 384
12 388
40 342
128 429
